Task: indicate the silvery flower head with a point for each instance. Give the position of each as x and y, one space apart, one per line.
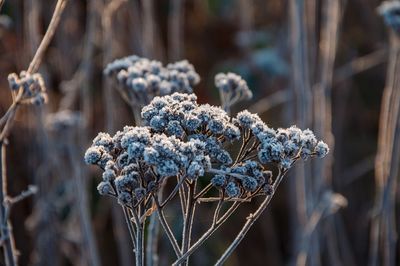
105 188
182 138
322 149
31 87
143 79
232 89
232 190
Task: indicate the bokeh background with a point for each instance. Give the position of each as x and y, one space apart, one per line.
294 55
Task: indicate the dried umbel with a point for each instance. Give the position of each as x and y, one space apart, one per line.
141 79
390 10
179 115
29 87
232 89
136 162
188 142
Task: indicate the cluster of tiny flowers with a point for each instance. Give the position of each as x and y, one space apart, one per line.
143 79
282 146
136 161
184 138
390 10
179 115
241 179
232 88
30 86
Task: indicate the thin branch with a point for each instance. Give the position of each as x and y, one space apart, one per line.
37 59
174 191
139 244
188 221
128 221
204 191
32 189
1 4
250 221
214 227
166 227
6 232
175 28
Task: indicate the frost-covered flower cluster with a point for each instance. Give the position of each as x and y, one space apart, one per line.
137 160
243 178
179 115
390 10
143 79
30 87
205 152
281 146
184 138
232 89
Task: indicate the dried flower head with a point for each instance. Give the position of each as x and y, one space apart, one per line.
185 139
30 87
142 79
193 144
137 157
232 89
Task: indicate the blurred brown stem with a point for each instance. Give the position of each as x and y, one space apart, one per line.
37 59
383 226
175 28
6 231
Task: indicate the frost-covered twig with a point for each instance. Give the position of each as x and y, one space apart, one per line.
37 59
250 220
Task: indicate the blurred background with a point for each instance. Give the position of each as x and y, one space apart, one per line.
319 64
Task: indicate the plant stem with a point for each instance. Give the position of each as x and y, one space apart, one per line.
6 232
174 191
175 28
250 221
37 59
166 227
153 236
188 222
386 163
1 4
204 191
151 242
214 227
139 244
130 227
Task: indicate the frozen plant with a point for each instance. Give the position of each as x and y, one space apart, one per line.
140 79
29 88
182 142
232 89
